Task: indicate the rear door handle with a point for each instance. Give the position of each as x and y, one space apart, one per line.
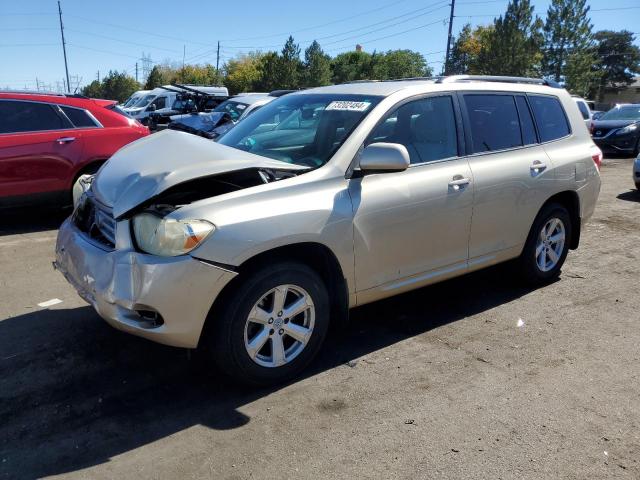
63 140
537 167
458 183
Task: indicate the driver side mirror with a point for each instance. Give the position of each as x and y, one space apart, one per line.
384 157
151 108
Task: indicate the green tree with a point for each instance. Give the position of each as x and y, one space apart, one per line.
317 66
514 45
619 60
118 86
466 50
401 64
290 67
243 74
269 72
349 66
154 79
568 45
93 90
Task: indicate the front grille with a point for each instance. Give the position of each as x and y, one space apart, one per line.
96 221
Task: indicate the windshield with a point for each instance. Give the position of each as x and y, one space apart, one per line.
234 109
630 112
131 100
304 129
144 101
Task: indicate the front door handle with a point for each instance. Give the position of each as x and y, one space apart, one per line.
458 182
538 167
63 140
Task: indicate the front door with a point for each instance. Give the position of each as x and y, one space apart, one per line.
414 224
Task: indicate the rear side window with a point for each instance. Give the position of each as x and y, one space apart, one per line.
79 118
550 117
494 122
583 110
18 117
526 122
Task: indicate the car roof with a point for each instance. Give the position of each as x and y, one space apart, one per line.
456 82
62 99
251 99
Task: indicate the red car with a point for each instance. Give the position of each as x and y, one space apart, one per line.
47 141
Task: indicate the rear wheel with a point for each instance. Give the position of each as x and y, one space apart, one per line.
547 245
270 327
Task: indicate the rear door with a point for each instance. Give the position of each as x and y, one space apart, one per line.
511 171
38 148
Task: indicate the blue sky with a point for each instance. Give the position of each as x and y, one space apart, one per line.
113 34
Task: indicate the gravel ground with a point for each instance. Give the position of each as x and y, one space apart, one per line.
470 379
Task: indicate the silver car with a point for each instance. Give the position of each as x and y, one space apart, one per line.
323 200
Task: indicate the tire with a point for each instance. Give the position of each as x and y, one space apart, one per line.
638 186
229 333
540 267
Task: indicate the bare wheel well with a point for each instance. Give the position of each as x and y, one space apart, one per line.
316 256
89 168
569 200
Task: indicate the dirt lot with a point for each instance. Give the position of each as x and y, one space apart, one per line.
438 383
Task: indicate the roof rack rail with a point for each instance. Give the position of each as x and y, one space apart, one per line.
497 78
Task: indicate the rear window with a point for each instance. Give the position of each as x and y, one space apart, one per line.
16 116
584 110
80 118
526 122
494 122
550 117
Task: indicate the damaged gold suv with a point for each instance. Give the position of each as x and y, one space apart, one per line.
323 200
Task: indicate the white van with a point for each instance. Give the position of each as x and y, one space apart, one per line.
134 98
161 99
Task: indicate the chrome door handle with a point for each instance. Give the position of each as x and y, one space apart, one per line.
63 140
537 166
459 182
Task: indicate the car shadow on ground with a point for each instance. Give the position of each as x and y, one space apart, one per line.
630 196
74 392
32 219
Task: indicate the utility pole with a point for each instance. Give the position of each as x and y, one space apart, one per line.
218 61
449 38
37 84
98 76
64 48
184 50
136 71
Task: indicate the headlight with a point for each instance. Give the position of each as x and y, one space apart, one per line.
169 237
628 129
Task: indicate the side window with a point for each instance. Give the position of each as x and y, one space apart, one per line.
427 127
80 118
583 110
550 117
526 122
494 122
18 117
160 102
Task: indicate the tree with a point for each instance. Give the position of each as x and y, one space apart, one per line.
514 45
619 60
118 86
568 47
243 73
154 79
467 48
288 75
317 66
401 64
350 66
93 90
269 66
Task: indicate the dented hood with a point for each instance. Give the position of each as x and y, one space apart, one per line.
151 165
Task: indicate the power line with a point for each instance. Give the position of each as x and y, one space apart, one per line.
120 40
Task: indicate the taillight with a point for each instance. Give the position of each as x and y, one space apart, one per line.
597 158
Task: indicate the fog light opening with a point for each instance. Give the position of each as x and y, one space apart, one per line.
150 318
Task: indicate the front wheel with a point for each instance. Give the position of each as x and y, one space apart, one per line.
271 326
547 245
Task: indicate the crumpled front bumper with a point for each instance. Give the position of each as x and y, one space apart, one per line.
121 283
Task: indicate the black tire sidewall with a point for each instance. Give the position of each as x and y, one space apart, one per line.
226 334
530 269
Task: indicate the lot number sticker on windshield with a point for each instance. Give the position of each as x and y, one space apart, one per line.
348 106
